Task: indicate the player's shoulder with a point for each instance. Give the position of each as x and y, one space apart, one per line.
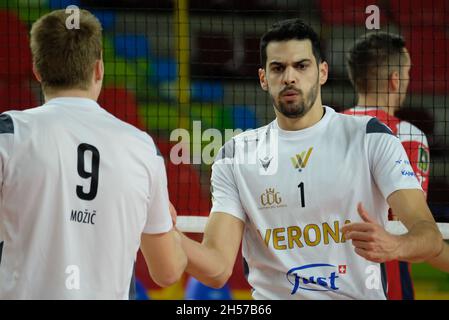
361 122
407 128
28 117
11 119
6 123
150 141
238 142
364 111
408 132
252 134
19 114
135 134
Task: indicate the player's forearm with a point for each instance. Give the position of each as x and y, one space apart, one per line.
164 256
441 262
205 264
176 263
180 255
422 243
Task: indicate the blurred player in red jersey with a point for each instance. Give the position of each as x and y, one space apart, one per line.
378 66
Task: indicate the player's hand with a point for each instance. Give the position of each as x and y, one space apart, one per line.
173 213
370 240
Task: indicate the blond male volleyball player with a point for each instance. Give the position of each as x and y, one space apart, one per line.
315 227
80 189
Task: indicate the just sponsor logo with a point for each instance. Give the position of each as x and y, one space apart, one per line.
325 277
314 277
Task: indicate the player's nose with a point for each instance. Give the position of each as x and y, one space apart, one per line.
290 76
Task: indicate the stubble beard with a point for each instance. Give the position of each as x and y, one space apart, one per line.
296 110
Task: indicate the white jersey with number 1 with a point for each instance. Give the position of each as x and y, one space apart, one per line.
78 188
294 190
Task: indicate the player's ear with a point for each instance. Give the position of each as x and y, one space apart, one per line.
36 74
99 70
263 79
323 69
393 81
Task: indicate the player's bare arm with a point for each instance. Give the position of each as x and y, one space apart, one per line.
422 242
441 262
164 256
212 261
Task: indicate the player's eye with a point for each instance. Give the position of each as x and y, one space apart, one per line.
277 68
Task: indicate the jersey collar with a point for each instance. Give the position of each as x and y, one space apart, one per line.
74 102
305 132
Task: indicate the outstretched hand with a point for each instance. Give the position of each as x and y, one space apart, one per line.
370 240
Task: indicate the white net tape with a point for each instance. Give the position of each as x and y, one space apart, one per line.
197 224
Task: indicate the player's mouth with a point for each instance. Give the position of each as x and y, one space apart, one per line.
290 95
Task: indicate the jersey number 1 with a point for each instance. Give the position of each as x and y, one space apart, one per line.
93 175
301 194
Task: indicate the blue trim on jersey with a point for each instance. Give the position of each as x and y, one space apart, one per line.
1 250
132 285
383 276
6 124
227 151
406 281
158 152
245 268
375 126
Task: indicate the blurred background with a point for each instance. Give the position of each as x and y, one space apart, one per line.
171 62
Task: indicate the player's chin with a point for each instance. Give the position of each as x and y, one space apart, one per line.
293 111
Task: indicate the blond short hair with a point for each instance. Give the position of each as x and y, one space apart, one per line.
65 58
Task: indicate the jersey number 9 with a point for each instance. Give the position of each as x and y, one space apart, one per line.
93 175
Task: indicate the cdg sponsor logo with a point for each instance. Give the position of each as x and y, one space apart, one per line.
271 199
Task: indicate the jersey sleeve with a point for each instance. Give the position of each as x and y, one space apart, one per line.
417 148
389 163
6 142
225 195
158 214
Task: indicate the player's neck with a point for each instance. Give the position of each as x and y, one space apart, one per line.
70 93
313 116
375 101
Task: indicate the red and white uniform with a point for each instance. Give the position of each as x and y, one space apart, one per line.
399 279
412 138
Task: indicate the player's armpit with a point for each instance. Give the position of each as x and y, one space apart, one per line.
212 261
423 240
166 261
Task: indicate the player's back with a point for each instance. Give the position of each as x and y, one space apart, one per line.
76 184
